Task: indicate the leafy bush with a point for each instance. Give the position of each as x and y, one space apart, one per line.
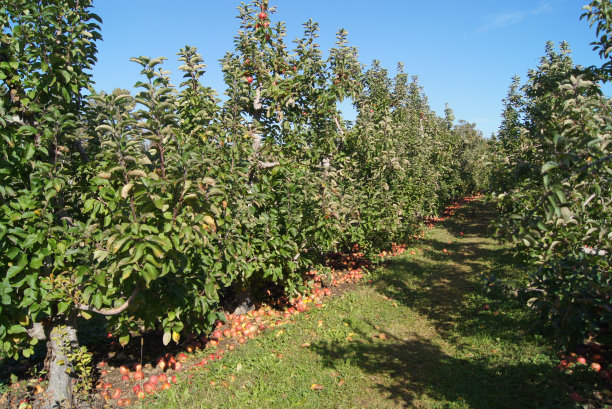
554 191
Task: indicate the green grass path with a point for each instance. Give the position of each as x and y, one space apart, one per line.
422 334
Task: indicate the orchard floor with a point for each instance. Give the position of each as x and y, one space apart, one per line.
422 332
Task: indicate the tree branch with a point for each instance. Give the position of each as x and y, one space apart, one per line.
79 147
338 125
112 311
582 169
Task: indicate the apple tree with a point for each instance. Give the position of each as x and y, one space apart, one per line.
46 50
555 198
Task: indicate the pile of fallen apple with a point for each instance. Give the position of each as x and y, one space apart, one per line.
591 356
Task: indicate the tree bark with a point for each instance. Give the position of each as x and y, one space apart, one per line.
62 340
244 303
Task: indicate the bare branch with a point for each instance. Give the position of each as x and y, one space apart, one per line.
582 169
112 311
537 290
338 125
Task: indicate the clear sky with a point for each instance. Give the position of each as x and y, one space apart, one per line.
463 51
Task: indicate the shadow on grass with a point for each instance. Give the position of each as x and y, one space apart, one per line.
445 288
413 370
438 284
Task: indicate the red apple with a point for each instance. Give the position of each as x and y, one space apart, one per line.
154 379
595 366
149 387
262 16
576 397
141 395
138 376
116 393
174 379
161 363
581 360
165 386
124 370
125 378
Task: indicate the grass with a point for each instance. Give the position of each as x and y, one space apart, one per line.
422 333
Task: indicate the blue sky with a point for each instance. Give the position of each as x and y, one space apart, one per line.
463 51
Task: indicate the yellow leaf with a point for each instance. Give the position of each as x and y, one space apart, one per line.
209 220
137 173
176 336
316 387
126 190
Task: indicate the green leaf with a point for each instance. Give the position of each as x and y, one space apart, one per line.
88 205
12 253
100 255
149 272
16 329
97 300
548 166
36 263
14 270
62 307
124 340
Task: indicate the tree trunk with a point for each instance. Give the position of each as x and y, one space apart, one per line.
62 340
244 303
